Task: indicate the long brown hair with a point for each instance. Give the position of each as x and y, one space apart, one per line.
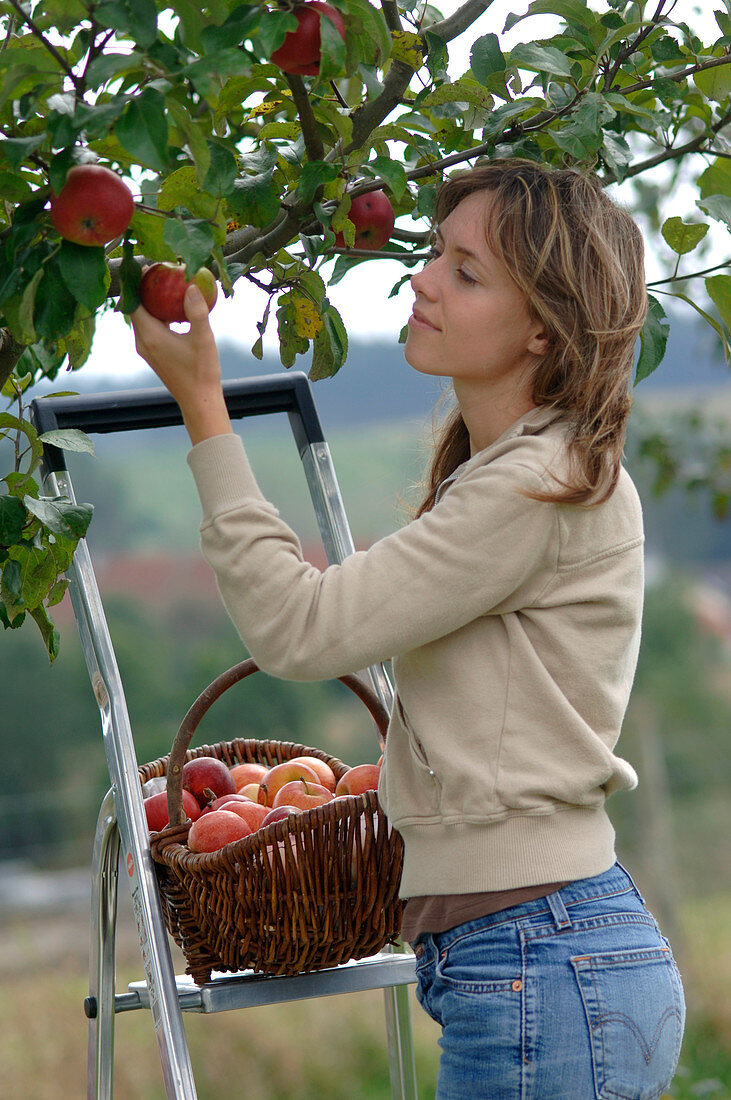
578 258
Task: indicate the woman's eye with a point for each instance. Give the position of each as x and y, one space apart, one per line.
466 277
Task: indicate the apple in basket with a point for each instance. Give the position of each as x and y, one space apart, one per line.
303 795
156 809
216 829
248 772
363 777
204 774
252 812
280 774
325 774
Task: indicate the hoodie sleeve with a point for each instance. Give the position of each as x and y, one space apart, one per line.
484 548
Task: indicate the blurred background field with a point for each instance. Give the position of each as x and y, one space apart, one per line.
172 638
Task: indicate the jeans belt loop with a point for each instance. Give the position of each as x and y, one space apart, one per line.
559 910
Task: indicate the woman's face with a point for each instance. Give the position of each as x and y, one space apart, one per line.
470 322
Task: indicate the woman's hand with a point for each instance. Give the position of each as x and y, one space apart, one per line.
187 364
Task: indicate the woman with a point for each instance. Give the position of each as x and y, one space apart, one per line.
511 607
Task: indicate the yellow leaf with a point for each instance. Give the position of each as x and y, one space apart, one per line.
307 320
407 48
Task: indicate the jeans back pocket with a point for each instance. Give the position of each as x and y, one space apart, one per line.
635 1010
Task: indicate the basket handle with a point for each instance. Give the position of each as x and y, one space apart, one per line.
209 696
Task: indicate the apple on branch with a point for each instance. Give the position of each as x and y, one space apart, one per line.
300 52
93 207
373 218
163 287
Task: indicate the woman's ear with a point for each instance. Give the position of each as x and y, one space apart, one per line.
539 341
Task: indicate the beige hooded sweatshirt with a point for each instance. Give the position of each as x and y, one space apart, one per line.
514 629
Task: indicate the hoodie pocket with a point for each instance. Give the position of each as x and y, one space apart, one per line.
413 789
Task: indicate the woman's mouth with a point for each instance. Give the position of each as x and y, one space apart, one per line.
418 320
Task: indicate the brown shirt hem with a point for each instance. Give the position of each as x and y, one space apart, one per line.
436 913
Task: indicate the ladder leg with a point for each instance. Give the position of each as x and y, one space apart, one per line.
401 1060
102 961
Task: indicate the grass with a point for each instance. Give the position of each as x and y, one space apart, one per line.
329 1049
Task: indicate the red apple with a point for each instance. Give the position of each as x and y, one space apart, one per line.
212 831
325 774
93 207
363 777
373 218
278 813
280 774
207 773
302 794
252 813
223 801
248 773
156 809
163 287
299 54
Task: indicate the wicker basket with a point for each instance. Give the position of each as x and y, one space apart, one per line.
309 892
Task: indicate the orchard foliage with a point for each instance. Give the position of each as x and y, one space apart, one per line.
241 167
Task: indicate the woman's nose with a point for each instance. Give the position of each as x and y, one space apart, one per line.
423 282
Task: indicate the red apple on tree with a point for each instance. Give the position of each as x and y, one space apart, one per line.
300 52
373 218
93 207
163 287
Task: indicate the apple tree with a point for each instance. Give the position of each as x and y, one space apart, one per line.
250 135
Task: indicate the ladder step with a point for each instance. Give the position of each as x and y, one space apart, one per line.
247 989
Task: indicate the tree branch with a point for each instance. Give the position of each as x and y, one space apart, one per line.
459 21
695 145
693 275
10 353
391 15
42 38
313 141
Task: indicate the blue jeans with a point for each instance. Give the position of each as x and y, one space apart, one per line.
575 996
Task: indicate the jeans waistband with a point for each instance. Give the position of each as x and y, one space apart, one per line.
609 883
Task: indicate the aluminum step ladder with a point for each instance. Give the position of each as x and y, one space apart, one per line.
121 838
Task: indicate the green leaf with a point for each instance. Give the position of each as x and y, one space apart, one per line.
11 590
136 18
718 207
653 339
39 574
49 633
255 199
719 291
617 153
191 240
12 520
716 180
332 56
85 273
392 172
540 59
16 150
573 11
330 346
69 439
181 188
55 305
437 58
715 83
273 28
193 136
61 517
487 58
314 174
222 170
130 276
683 237
142 130
290 343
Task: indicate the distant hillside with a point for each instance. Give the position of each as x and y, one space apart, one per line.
377 384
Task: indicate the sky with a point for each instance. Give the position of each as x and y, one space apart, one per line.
362 296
